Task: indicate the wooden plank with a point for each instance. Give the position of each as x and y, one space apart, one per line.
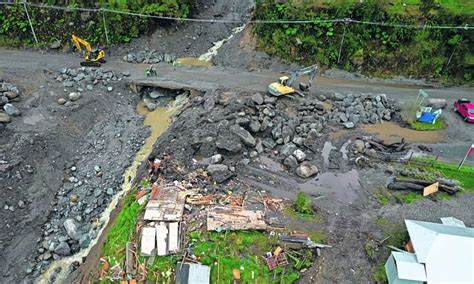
147 247
168 207
226 218
130 258
173 237
431 189
161 237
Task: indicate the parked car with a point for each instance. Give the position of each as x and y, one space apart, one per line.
465 108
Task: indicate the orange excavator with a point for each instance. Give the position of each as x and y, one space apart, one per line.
94 57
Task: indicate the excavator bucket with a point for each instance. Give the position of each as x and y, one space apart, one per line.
91 63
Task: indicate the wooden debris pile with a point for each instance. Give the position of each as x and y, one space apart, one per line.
427 187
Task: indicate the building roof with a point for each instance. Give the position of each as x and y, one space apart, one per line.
408 267
443 247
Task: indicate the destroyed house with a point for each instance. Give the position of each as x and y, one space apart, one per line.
438 253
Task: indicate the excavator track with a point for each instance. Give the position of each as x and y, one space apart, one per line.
91 63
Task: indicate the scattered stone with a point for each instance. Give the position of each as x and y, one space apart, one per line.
338 97
84 241
62 249
244 135
229 144
55 44
269 143
61 101
21 204
299 155
110 191
349 125
219 172
11 110
359 146
11 95
74 96
5 118
151 106
437 103
306 170
110 88
291 162
72 229
258 99
216 159
288 149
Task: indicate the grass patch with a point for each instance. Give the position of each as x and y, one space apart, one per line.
409 197
303 204
381 221
379 274
317 236
383 196
226 251
122 230
307 217
420 126
465 175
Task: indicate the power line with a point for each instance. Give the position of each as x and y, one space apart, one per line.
257 21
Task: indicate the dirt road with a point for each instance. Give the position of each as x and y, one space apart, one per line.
457 137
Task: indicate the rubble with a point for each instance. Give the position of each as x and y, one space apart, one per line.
148 57
226 218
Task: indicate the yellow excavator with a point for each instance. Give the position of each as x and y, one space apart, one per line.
284 84
94 57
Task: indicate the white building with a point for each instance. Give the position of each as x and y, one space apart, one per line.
443 254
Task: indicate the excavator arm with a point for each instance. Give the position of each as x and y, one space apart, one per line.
92 57
310 70
284 84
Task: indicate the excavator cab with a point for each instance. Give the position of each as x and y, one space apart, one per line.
94 57
283 80
284 84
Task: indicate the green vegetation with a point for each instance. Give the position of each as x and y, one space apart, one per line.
383 196
439 124
122 230
379 274
374 50
51 25
303 204
245 253
430 167
409 197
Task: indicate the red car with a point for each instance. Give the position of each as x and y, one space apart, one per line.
465 108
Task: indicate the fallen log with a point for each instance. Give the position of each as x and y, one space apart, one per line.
443 184
404 185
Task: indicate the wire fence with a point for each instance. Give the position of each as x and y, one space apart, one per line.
104 11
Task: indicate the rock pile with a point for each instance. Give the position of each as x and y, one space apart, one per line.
243 127
9 94
88 77
148 57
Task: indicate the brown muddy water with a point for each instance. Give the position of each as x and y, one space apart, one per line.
390 132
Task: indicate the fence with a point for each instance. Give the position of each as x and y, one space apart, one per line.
103 12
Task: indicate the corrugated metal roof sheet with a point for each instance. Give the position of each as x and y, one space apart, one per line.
408 267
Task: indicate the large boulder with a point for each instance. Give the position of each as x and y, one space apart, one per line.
62 249
288 149
219 172
244 135
291 162
4 118
306 170
299 155
437 103
11 110
229 143
72 229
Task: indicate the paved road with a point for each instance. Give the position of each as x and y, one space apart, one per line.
457 137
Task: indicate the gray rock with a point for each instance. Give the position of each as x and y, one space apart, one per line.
349 125
387 115
373 118
258 98
229 144
61 101
72 229
110 88
84 241
313 134
299 155
253 154
55 44
242 121
11 95
3 100
4 118
21 204
319 105
62 249
150 105
244 135
11 110
259 146
306 170
47 255
110 191
338 97
286 134
155 95
219 172
355 118
268 112
74 96
298 141
254 126
288 149
343 117
359 146
216 159
269 143
79 77
277 131
89 87
291 162
437 103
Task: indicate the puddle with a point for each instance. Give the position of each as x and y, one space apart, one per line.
326 150
391 132
270 164
158 120
341 185
194 62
